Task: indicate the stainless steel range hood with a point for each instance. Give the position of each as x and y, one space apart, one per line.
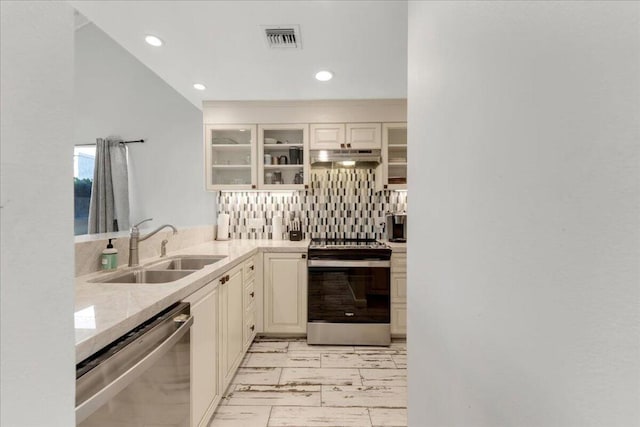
346 157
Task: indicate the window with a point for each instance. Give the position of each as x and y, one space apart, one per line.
83 165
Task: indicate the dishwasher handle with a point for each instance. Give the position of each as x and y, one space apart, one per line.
94 402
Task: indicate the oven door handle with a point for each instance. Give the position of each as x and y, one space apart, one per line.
352 263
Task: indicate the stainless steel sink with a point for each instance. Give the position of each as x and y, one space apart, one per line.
187 262
146 276
166 271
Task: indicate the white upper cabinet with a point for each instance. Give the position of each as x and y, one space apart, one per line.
266 145
230 152
327 136
363 136
283 157
335 136
391 174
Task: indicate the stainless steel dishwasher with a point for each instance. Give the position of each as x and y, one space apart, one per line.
141 379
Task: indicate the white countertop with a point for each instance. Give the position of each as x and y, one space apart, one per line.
105 311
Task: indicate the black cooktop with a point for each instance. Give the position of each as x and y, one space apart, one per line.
348 249
346 244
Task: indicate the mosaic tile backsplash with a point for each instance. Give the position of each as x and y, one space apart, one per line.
339 203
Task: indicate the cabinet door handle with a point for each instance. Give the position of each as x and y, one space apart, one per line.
385 186
253 327
223 280
349 145
342 146
227 278
252 294
253 186
252 267
304 256
306 186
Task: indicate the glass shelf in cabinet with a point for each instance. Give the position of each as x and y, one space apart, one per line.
224 147
276 146
283 166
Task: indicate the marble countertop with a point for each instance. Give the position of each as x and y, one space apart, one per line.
105 311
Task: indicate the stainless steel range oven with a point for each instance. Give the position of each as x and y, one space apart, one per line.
349 292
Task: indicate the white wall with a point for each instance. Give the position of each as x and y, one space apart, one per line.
117 95
36 293
523 256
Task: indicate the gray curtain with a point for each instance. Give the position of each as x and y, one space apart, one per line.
109 205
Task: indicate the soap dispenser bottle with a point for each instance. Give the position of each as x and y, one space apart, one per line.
109 260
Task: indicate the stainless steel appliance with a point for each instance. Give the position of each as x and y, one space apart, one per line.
349 292
365 158
141 379
397 227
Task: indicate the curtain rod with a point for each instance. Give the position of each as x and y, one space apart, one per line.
141 141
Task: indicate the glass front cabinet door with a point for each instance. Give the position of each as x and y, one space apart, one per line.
230 157
392 173
283 157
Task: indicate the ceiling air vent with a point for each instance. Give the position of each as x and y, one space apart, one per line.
283 36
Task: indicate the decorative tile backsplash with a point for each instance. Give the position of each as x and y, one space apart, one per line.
339 203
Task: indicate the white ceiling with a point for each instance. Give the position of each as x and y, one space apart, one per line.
221 44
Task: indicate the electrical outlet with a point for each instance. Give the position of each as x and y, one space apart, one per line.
255 223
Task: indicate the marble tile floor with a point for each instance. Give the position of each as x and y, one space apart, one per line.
288 383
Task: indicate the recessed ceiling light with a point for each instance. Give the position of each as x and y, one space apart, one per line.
324 75
153 40
199 86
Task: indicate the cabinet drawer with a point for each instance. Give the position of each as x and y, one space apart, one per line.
398 263
249 294
250 269
399 288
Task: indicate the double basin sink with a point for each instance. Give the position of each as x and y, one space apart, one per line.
165 271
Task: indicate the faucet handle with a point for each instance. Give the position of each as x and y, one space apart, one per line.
144 220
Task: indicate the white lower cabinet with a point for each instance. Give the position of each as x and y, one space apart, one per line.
231 323
205 387
399 294
399 319
226 317
285 293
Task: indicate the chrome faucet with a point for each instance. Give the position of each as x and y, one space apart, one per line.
134 239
